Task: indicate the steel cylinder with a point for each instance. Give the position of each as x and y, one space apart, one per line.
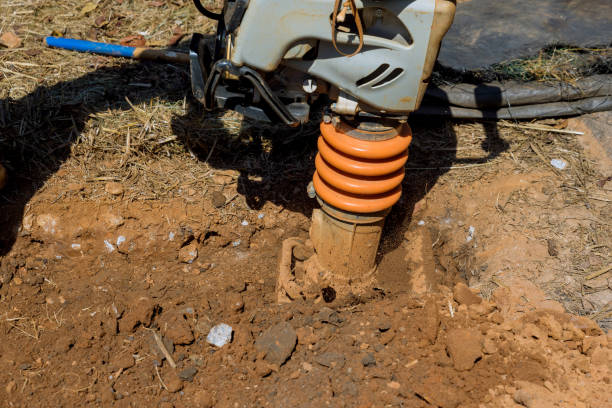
357 180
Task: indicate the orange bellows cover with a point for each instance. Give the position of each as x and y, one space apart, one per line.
360 176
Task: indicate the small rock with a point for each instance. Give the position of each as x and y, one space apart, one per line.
464 296
306 335
235 303
327 315
464 346
114 188
10 40
173 382
188 253
387 337
368 360
470 235
559 164
278 343
330 359
307 366
217 199
220 335
262 368
109 247
188 373
394 385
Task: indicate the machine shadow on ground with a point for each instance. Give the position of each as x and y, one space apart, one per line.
432 153
275 165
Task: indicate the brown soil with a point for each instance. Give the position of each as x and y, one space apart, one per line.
112 245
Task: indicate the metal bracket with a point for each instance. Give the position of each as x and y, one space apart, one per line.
200 61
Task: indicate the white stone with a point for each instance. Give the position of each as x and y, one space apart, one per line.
220 335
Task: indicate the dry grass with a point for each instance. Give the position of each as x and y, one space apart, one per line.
566 64
552 64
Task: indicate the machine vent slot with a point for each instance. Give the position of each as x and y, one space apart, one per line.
372 75
389 78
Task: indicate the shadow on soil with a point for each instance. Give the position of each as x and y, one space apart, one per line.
426 165
38 130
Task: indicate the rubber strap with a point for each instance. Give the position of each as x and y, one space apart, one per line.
353 7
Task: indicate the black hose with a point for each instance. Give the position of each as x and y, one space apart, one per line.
503 94
516 100
206 12
541 110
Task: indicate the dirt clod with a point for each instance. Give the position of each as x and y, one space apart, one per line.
430 323
217 199
330 359
235 303
327 315
114 188
140 311
176 328
464 296
123 362
173 382
533 396
464 347
302 252
188 253
10 40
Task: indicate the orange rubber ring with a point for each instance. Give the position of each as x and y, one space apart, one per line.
361 167
352 203
366 149
356 184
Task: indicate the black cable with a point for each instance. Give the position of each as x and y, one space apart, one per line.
206 12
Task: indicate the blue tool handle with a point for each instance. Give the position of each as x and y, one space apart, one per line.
91 46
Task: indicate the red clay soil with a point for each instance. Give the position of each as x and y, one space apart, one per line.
81 308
